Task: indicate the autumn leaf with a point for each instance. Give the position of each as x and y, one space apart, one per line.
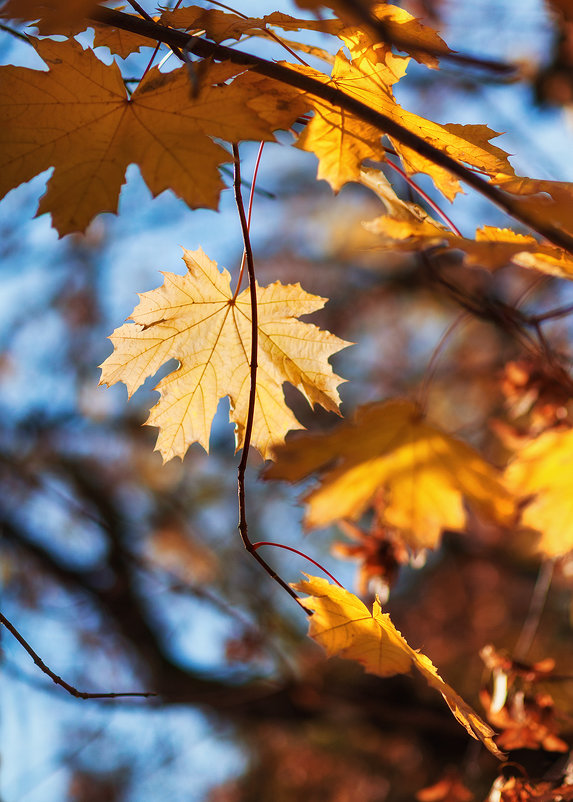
220 25
343 626
423 474
342 142
52 16
78 119
119 42
492 248
542 474
195 319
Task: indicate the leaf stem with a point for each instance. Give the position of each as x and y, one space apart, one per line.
243 526
55 677
301 554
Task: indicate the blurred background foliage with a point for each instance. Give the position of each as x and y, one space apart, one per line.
125 574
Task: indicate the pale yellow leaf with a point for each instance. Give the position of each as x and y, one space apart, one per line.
344 626
389 449
194 319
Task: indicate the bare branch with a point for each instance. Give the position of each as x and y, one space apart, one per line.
55 677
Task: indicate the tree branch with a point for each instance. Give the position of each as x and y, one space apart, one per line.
203 48
243 527
55 677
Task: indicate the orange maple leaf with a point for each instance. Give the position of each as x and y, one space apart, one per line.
52 16
195 319
344 626
78 119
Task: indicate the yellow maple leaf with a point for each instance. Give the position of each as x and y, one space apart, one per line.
389 448
492 248
78 119
342 142
401 30
195 319
344 626
542 474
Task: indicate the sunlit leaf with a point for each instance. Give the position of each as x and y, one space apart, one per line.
344 626
195 319
422 474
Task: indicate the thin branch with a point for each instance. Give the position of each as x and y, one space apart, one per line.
140 10
511 204
432 364
15 33
538 598
54 677
243 526
553 314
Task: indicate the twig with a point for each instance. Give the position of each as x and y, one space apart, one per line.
561 311
243 527
203 48
15 33
538 598
424 195
57 679
140 10
432 364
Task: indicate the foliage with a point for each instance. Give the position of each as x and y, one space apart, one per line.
397 477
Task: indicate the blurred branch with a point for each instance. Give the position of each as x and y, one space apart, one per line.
55 677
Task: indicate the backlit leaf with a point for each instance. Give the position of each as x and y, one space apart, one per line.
344 626
195 319
542 474
342 142
78 119
389 449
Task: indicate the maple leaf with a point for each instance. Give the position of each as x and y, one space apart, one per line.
119 42
492 248
195 319
78 119
52 16
342 142
424 474
400 29
542 474
343 626
220 25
